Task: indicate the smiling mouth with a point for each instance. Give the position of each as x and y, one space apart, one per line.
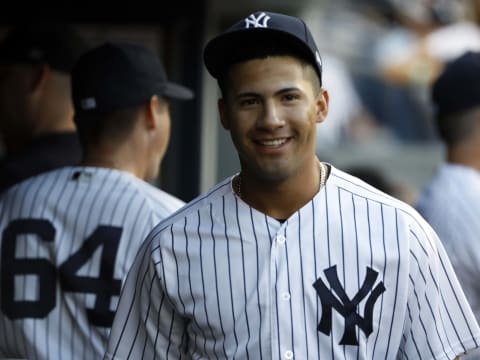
273 143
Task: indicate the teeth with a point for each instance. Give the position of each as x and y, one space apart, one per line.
275 142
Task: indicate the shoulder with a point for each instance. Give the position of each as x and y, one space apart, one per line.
397 211
36 183
200 207
344 182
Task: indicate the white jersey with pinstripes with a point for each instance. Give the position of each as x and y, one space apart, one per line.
354 274
68 238
450 203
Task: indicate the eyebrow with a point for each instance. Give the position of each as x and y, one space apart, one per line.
278 92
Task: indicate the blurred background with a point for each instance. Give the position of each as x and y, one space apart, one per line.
379 58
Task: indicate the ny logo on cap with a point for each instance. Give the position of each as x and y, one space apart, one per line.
261 21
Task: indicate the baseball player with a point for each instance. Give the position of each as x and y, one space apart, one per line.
36 110
69 236
290 258
450 201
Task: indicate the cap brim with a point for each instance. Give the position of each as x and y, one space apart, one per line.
176 91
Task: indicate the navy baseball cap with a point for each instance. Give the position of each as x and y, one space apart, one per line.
58 45
115 76
458 86
274 31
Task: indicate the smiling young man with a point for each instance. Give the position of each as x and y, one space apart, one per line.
291 257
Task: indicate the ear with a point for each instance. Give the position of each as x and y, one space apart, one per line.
322 105
223 112
39 78
152 109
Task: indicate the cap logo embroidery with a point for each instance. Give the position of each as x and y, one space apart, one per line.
88 103
261 21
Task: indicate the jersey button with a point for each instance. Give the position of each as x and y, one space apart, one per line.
281 239
288 354
286 296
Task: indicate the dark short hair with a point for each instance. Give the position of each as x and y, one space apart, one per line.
95 128
457 127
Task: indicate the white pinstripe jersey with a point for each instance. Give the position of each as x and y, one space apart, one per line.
354 274
68 238
450 202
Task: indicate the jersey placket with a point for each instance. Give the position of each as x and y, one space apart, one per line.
281 297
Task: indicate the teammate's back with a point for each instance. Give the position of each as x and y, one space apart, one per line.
68 239
69 236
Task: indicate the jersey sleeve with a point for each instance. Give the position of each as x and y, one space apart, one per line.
146 326
440 323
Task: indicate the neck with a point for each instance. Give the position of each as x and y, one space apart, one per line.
282 198
116 158
467 155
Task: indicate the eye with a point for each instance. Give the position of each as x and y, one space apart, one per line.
250 101
290 97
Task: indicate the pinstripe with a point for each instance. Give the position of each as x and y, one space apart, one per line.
426 298
129 311
457 300
148 311
292 327
189 266
200 245
452 323
277 325
396 285
229 268
329 253
316 273
358 259
420 317
158 322
411 333
138 325
32 209
383 274
258 283
60 316
243 278
216 281
436 328
239 268
177 270
342 240
47 332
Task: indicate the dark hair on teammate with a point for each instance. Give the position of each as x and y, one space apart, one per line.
114 126
457 127
263 46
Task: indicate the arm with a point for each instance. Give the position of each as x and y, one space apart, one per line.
440 321
146 325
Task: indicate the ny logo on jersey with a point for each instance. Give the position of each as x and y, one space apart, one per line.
255 21
346 307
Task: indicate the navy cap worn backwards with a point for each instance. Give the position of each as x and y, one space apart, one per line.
276 31
458 86
57 45
115 76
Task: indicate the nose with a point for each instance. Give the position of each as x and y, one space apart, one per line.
271 117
